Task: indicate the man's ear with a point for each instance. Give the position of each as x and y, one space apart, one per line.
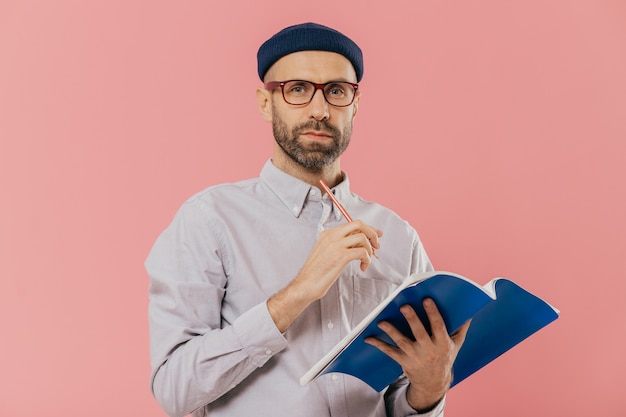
264 101
356 104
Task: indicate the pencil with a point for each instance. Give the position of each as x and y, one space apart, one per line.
340 207
337 203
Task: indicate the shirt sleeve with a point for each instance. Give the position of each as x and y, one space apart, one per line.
419 259
398 405
195 358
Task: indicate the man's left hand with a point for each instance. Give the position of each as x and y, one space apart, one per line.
426 361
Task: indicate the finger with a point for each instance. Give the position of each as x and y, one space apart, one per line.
358 226
374 241
389 350
357 247
402 342
437 325
346 247
417 327
363 255
359 240
372 235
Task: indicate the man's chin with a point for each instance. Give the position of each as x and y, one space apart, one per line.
314 160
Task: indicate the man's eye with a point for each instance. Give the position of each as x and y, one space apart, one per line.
298 89
335 91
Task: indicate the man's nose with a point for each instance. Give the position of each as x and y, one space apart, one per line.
319 106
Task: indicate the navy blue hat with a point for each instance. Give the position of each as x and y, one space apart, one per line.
308 37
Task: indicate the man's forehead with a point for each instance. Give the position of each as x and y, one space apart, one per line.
316 66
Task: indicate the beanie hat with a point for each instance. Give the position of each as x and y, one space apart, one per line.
308 37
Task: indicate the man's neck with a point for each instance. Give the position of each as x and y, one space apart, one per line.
331 174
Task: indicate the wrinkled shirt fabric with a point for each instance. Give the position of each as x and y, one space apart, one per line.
214 348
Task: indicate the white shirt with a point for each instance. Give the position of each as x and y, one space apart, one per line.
214 347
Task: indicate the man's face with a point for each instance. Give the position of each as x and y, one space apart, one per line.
316 134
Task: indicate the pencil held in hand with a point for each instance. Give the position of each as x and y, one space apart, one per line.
340 207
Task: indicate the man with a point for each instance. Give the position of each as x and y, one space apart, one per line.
253 282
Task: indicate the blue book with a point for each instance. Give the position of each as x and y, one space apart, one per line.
503 314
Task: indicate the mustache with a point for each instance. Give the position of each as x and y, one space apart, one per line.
319 125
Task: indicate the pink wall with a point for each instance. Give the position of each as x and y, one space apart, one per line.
496 128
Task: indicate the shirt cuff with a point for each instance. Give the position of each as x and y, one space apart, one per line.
258 334
402 407
437 411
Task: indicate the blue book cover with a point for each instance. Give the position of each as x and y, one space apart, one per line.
503 314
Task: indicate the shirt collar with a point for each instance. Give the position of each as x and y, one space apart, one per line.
293 192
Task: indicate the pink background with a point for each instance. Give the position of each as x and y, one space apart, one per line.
497 128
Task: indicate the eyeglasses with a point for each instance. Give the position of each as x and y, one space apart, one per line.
298 92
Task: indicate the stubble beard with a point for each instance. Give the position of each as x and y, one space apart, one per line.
315 155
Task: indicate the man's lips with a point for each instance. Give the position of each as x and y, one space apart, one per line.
316 134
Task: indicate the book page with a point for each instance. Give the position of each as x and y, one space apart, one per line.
358 329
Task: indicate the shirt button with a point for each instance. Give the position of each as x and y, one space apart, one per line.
330 325
334 377
313 192
268 351
295 209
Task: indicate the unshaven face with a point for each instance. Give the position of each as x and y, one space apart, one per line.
316 134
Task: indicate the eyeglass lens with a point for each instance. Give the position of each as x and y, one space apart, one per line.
302 92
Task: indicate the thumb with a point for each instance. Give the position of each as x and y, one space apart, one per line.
458 337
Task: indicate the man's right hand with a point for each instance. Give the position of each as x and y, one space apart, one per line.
334 249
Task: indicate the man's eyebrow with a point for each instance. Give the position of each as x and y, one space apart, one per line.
335 80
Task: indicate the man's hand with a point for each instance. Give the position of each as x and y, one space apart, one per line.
334 249
427 361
